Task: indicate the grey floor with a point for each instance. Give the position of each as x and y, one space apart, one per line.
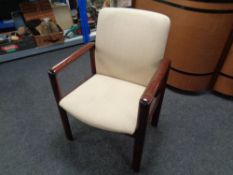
194 137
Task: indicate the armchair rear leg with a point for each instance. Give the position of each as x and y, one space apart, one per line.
155 117
65 123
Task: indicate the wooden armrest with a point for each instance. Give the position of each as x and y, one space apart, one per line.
58 67
155 82
74 56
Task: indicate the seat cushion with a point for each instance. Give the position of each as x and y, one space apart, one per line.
106 103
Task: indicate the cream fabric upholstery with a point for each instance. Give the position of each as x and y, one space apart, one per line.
130 43
104 102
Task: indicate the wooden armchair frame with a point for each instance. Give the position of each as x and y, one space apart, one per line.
149 103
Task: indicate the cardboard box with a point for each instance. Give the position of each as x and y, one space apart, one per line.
39 10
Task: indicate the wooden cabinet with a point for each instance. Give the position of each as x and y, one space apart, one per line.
198 36
224 82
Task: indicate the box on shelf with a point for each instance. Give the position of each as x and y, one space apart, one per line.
13 46
39 10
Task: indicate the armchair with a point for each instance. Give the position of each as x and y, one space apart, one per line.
129 76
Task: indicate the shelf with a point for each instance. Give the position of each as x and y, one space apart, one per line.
39 50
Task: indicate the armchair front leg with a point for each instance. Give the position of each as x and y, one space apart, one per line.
155 88
54 82
140 134
63 115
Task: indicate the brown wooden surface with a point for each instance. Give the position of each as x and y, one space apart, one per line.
189 82
40 10
224 81
139 135
92 60
41 16
203 5
155 87
224 74
196 39
224 85
55 84
55 37
58 96
37 10
228 64
159 101
74 56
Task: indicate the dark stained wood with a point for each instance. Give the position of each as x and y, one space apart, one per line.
156 114
57 94
140 134
157 108
133 3
156 81
65 123
92 59
74 56
156 87
54 82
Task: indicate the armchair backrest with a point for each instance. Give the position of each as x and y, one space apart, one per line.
130 43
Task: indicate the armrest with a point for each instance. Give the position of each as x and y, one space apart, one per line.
74 56
156 81
58 67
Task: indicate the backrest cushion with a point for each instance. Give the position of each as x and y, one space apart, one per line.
130 43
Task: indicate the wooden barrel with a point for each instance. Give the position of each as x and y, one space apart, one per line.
199 33
224 82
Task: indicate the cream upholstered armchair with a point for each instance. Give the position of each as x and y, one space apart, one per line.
129 76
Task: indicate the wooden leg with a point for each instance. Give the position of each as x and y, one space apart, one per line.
57 95
66 124
138 150
155 117
140 137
